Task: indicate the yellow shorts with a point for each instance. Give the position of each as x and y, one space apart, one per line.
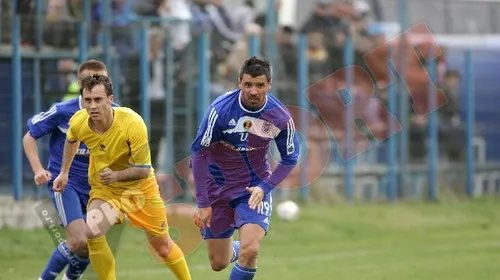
145 210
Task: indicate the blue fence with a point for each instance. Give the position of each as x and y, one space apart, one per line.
22 70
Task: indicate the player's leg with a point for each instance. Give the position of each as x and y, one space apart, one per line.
149 213
252 226
170 254
74 248
102 214
220 252
221 248
77 239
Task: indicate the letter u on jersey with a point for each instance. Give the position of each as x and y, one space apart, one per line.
243 136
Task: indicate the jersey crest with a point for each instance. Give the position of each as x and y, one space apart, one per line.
266 127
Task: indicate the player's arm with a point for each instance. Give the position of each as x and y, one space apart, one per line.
139 152
208 133
70 149
288 146
70 145
31 150
39 125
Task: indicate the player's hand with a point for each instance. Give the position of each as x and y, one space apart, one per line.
108 176
42 177
60 182
203 217
256 196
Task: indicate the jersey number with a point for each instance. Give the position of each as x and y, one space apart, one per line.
265 208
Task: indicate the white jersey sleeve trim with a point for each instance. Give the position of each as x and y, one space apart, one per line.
290 146
44 115
207 136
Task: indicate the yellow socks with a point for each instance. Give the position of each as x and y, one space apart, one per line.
177 263
101 258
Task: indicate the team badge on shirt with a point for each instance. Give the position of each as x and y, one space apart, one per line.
266 127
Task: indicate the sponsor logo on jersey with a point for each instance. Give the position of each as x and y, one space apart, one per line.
247 125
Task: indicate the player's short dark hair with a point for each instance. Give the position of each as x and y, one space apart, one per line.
256 66
92 65
89 82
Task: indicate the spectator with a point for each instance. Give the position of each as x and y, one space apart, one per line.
180 33
320 20
287 49
243 16
261 19
318 56
417 135
221 21
450 123
201 19
223 36
61 29
230 66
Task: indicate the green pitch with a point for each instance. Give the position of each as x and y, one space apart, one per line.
459 241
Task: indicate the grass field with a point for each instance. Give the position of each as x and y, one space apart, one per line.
391 242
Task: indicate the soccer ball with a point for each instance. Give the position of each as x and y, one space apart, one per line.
288 211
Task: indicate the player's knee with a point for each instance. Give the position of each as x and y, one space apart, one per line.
76 238
250 250
163 252
77 244
218 265
218 262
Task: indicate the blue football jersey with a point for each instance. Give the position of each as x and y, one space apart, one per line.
55 122
235 142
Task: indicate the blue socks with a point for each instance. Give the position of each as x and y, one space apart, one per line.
61 257
236 251
57 262
242 273
77 266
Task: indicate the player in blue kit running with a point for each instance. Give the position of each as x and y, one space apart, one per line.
231 171
70 204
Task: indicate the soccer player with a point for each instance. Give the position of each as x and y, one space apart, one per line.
231 171
70 205
121 178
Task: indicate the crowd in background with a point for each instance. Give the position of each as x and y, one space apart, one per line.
326 28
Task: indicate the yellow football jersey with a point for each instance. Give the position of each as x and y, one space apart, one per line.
123 145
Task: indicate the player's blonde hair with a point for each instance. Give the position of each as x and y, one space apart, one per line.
92 65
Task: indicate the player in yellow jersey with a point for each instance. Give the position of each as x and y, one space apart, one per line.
120 175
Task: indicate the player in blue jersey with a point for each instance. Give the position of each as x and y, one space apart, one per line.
70 204
231 171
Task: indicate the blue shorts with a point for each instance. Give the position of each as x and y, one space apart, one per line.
71 204
226 219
